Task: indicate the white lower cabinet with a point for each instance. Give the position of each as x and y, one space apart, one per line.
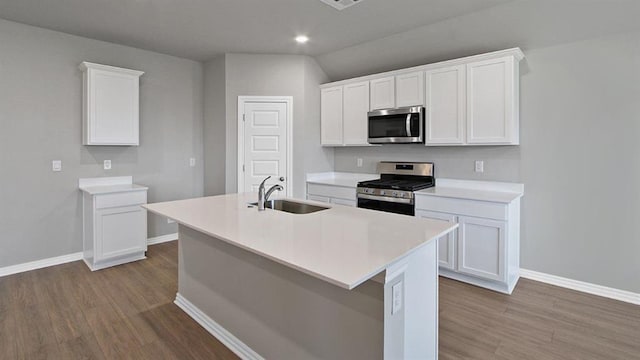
485 249
339 195
447 243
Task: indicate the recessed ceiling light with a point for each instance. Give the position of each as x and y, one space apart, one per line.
301 39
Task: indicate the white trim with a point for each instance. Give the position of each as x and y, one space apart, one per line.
162 239
289 101
225 337
39 264
599 290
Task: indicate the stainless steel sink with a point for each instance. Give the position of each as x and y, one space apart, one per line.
292 207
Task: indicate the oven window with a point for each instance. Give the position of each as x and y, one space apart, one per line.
393 126
397 208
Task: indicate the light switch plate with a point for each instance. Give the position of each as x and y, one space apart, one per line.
192 162
107 164
359 162
56 165
479 166
396 298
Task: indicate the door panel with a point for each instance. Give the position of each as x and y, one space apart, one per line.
331 116
383 93
447 243
445 108
410 89
482 248
356 106
265 143
120 231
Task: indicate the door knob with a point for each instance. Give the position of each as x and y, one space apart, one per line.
281 178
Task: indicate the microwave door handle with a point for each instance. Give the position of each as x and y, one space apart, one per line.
408 125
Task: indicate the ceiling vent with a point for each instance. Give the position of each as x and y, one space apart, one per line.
341 4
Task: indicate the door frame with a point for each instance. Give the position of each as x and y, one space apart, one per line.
288 100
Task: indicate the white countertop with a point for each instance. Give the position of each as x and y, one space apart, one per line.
340 178
109 189
475 190
109 185
342 245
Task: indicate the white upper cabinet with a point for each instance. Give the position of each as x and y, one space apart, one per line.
445 106
383 93
356 106
410 89
331 116
492 102
110 105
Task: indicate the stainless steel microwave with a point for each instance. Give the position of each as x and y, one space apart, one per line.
397 126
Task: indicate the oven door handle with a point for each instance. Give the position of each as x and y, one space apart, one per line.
408 125
386 198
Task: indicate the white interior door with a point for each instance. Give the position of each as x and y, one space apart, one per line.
263 143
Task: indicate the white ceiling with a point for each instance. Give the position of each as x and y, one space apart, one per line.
203 29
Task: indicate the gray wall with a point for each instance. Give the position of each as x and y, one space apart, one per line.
579 160
214 126
40 121
278 75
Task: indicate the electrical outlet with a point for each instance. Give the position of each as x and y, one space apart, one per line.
192 162
169 221
359 162
107 164
479 166
396 298
56 165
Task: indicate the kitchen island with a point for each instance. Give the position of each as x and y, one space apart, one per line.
340 283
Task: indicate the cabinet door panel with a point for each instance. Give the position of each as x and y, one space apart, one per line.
383 93
482 248
356 106
120 231
331 116
410 89
447 243
445 106
490 101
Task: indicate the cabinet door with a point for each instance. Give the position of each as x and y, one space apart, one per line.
111 104
331 116
120 231
410 89
447 243
482 248
491 102
356 106
445 106
383 93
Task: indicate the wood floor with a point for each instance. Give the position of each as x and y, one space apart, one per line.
127 312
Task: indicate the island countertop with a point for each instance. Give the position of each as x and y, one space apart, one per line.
342 245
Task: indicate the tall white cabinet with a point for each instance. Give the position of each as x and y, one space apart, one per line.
114 223
110 105
445 116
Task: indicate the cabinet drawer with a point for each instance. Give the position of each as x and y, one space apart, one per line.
323 199
344 202
121 199
332 191
482 209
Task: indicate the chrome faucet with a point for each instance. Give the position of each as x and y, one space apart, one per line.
264 197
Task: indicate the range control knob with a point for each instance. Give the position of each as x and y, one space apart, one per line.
382 192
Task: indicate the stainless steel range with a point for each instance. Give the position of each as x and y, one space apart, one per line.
394 191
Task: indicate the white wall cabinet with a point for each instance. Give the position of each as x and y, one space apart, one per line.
110 105
410 89
493 101
445 116
383 93
355 108
331 116
446 244
114 223
482 249
468 101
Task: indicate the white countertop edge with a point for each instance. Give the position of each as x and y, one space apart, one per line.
490 191
113 189
496 186
342 179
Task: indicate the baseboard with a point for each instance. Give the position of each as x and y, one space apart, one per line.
225 337
162 239
599 290
39 264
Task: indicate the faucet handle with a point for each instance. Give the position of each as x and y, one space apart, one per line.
265 180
